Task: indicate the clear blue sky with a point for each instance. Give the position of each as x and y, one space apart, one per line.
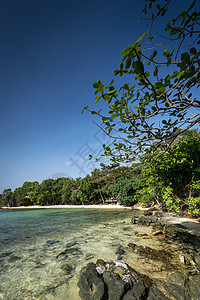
51 52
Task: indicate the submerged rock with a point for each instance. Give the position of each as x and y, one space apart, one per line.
66 268
52 242
120 251
89 256
162 255
69 251
5 254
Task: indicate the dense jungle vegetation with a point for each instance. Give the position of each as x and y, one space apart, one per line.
172 180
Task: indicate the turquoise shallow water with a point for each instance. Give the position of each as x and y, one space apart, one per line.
43 250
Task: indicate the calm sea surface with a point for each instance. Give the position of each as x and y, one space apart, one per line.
43 250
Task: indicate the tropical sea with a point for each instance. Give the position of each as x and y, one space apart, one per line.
43 250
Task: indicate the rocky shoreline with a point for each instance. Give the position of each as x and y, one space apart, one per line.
171 273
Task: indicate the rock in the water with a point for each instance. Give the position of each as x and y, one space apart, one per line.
134 220
158 232
66 268
115 285
51 242
120 251
71 251
148 213
90 284
89 256
142 235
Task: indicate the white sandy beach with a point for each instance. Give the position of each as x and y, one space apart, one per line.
104 206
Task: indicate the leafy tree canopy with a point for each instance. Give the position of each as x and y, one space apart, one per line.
157 99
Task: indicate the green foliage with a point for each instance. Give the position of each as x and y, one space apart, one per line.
172 179
179 166
172 203
162 87
194 198
6 198
124 190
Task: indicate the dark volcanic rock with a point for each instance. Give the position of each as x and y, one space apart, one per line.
155 294
138 292
177 286
197 259
91 284
147 220
194 287
115 285
177 291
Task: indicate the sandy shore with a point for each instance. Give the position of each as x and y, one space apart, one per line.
104 206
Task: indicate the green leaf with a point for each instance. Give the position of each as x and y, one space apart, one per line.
97 98
112 81
127 50
180 74
193 50
126 86
185 57
155 72
84 108
128 63
116 72
102 89
176 30
154 53
95 85
142 36
111 92
139 67
115 115
147 73
166 53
